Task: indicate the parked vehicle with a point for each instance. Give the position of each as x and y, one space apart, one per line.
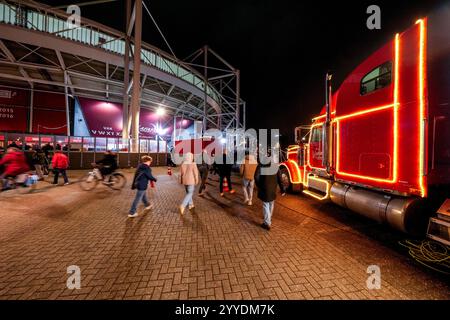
381 145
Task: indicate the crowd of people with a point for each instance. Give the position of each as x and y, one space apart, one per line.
193 174
14 163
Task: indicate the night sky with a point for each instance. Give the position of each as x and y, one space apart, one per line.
283 48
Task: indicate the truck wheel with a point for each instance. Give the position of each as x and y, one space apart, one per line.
285 181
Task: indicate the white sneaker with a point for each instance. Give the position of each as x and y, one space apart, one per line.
181 210
66 184
132 215
150 207
191 207
249 203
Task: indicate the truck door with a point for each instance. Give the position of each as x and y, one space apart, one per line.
315 153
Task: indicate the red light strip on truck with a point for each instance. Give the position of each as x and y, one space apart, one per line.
394 107
323 116
308 158
299 175
421 93
312 194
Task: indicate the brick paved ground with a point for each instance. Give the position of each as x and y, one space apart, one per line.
314 250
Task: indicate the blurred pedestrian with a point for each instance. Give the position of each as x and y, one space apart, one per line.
60 163
224 170
47 148
14 163
203 168
248 169
141 178
14 145
39 161
267 192
189 178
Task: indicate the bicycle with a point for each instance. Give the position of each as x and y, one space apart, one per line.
24 183
115 180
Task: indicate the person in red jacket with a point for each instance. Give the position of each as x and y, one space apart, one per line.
14 163
60 163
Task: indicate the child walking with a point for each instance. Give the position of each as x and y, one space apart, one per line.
141 178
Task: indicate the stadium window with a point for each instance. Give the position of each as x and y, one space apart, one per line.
378 78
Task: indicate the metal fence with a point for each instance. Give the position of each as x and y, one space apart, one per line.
82 151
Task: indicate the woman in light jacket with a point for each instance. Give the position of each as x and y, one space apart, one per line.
189 178
247 170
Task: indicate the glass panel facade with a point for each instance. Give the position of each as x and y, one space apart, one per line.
75 143
123 145
112 144
62 142
153 146
143 146
162 146
88 144
100 144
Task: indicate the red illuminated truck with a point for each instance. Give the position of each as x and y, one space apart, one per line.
381 145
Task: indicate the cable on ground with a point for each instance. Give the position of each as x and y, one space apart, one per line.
429 253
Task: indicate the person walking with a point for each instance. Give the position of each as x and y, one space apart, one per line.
248 169
60 163
203 169
141 178
38 160
224 170
188 178
267 192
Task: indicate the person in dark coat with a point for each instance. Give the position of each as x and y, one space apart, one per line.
47 148
224 170
203 169
14 145
267 193
141 178
38 160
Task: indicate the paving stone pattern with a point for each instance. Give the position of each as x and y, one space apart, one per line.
218 251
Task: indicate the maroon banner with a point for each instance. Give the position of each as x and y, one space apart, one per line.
104 119
14 109
49 113
151 124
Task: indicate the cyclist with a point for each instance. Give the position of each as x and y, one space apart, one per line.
108 164
15 163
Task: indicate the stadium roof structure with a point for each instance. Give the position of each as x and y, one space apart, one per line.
39 51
